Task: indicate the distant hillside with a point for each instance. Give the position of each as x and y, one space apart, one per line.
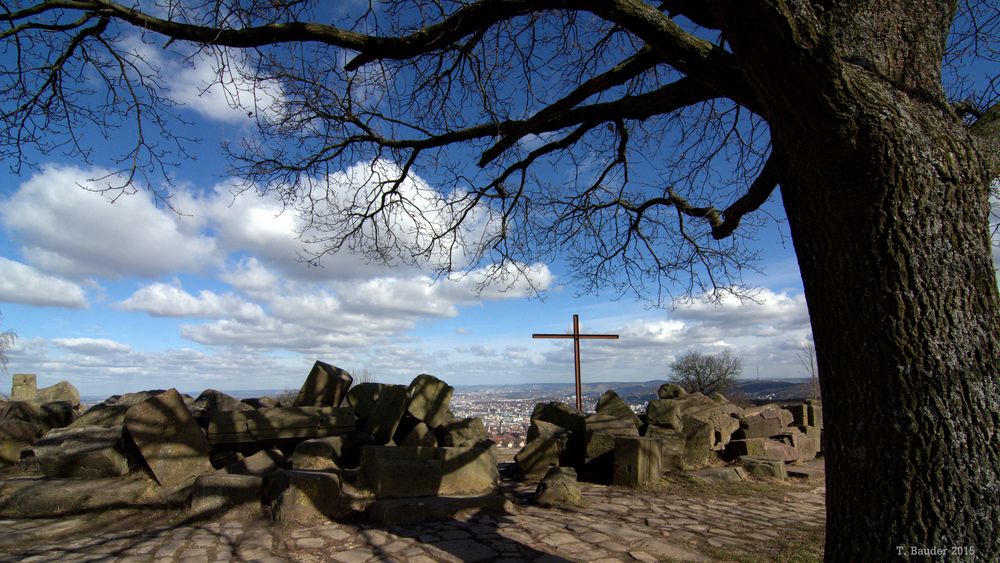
641 391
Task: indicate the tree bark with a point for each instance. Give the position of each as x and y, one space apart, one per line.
888 210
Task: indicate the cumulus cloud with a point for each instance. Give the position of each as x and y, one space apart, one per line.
20 283
70 231
163 300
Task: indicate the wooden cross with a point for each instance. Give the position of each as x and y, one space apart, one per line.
576 336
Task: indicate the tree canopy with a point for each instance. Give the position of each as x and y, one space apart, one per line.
706 373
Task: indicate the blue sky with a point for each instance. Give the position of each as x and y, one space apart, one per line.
124 295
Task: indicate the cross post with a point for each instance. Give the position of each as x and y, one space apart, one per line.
576 336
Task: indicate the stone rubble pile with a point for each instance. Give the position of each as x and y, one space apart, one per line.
394 453
678 431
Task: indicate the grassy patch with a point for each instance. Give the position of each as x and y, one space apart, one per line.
803 545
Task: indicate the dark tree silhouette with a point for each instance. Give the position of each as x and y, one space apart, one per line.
631 139
706 373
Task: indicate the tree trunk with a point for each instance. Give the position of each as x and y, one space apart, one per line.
887 199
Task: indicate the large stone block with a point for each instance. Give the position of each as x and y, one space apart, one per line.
665 413
545 448
611 404
429 399
671 447
212 400
637 461
762 447
387 412
601 431
86 452
362 398
559 488
397 472
803 443
765 467
110 413
420 435
226 497
320 453
670 391
815 413
259 464
699 437
763 424
325 386
462 433
723 419
306 497
62 391
15 435
170 441
24 387
800 414
270 426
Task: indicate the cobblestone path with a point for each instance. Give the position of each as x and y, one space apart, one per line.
669 524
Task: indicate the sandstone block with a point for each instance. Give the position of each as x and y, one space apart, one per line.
765 467
397 472
545 447
62 391
699 437
306 497
387 412
212 400
320 453
762 447
325 386
420 435
15 435
665 413
170 441
671 447
559 488
86 452
24 387
362 398
259 464
429 399
226 496
110 413
670 391
637 461
611 404
462 433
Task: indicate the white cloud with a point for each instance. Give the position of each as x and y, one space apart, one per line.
163 300
92 346
216 83
20 283
68 230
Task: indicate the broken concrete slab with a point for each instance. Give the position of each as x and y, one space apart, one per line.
86 452
637 461
429 399
171 443
325 386
223 496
